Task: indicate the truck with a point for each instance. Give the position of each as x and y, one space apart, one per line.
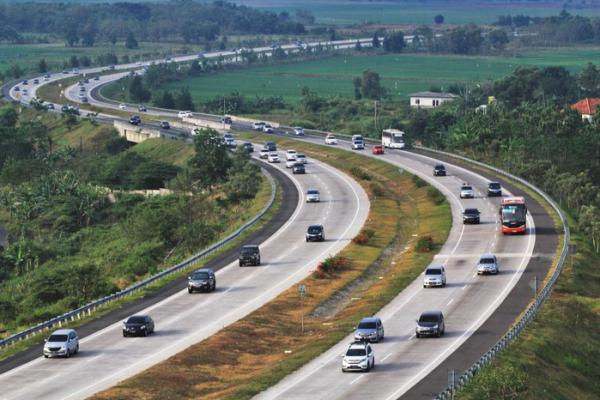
393 139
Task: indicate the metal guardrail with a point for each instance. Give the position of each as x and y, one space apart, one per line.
90 307
514 332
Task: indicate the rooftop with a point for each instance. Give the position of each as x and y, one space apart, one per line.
437 95
586 106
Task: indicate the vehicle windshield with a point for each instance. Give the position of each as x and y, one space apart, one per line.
356 352
367 325
312 192
494 185
428 318
300 156
466 188
249 251
314 229
331 137
513 213
486 261
58 338
433 271
398 139
197 276
471 211
439 167
136 320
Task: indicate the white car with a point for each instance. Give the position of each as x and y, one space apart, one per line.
331 139
63 342
358 357
290 163
122 106
194 131
273 157
258 126
264 153
358 145
435 276
488 264
301 158
298 131
290 155
467 192
184 114
313 196
267 128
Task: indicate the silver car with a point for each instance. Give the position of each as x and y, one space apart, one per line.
488 264
313 196
467 192
358 357
369 329
62 343
435 276
264 153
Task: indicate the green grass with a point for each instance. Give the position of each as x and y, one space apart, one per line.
402 74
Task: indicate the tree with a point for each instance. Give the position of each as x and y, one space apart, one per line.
8 117
137 90
394 43
498 39
465 39
438 19
112 38
165 100
357 82
370 85
42 66
71 37
130 41
376 43
211 162
184 101
358 46
589 81
74 61
15 71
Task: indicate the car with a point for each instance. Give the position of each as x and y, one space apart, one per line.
301 158
313 196
138 63
369 329
82 89
63 342
267 128
226 120
135 120
138 325
430 323
358 144
185 114
290 163
122 106
488 264
291 154
164 125
315 233
270 146
358 357
131 73
96 78
229 141
298 131
83 99
258 126
494 189
439 170
75 71
36 81
111 67
81 95
80 83
377 149
142 108
50 106
194 131
434 276
86 80
298 168
249 255
47 76
65 71
249 147
331 139
264 154
471 216
202 280
25 82
273 157
25 92
17 89
467 192
357 137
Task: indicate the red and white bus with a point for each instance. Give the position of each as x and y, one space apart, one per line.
513 215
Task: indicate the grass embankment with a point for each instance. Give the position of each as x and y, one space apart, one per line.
259 350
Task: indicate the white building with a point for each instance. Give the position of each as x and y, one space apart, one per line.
430 99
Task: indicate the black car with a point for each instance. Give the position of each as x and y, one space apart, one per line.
164 125
25 82
249 147
202 280
431 323
96 78
471 216
36 81
249 255
315 233
50 106
494 189
270 146
226 120
138 325
298 168
135 120
439 170
142 108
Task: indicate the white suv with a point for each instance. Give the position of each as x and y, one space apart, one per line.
331 139
184 114
258 126
358 357
63 342
291 155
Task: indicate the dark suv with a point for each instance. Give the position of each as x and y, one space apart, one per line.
249 255
494 189
202 280
315 233
439 170
138 325
298 168
270 146
471 216
431 323
135 120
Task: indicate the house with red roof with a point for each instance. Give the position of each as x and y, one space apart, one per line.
586 107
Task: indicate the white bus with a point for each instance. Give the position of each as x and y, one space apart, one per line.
393 139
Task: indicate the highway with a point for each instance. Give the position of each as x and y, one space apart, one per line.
183 319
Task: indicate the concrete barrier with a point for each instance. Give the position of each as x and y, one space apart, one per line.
251 121
136 134
204 123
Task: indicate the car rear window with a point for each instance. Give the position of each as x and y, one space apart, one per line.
314 229
367 325
433 271
313 192
429 318
200 275
466 188
494 185
58 338
248 251
136 320
486 261
356 352
471 211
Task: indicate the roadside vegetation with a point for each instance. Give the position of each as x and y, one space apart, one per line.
79 217
259 350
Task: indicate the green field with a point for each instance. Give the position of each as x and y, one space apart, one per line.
401 74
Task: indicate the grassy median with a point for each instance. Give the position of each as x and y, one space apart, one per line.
262 348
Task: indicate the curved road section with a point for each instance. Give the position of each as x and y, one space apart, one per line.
183 319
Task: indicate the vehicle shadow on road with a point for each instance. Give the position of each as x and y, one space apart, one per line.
233 289
166 332
396 366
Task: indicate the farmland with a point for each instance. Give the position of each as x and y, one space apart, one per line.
401 74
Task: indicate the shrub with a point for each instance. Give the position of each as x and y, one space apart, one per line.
425 244
331 265
377 189
363 237
418 181
360 173
434 195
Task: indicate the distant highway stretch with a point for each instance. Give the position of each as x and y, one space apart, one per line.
469 302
